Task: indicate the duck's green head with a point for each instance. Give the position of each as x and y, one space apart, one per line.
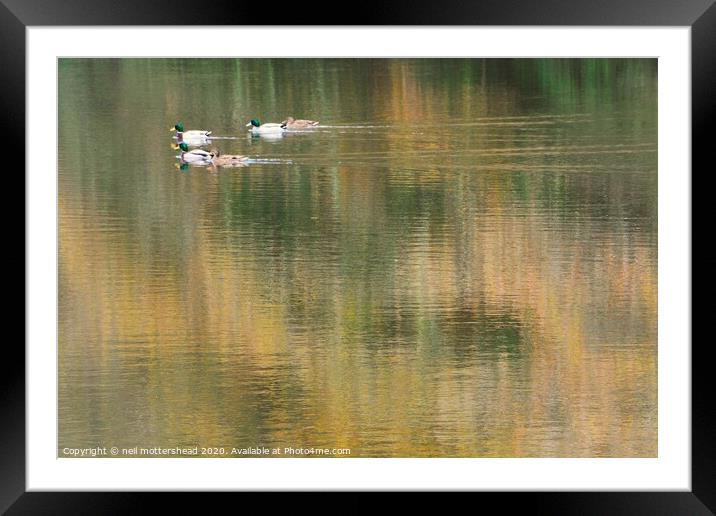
184 147
179 127
255 122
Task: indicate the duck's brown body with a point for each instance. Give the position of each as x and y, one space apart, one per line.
292 123
226 159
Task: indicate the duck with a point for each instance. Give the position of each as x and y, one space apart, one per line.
223 160
181 134
292 123
259 128
195 155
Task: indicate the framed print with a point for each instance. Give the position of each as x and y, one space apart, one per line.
401 257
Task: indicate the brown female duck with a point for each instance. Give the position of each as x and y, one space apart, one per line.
292 123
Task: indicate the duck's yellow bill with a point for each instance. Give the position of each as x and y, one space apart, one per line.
172 129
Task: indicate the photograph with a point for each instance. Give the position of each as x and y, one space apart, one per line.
267 257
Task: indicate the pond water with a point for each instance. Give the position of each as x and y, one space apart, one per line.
460 261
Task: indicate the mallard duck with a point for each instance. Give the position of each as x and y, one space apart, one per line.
194 156
189 135
259 128
223 160
292 123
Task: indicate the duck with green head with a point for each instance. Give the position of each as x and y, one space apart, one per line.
211 157
257 127
182 134
195 155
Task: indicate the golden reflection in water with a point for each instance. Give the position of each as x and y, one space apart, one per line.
428 301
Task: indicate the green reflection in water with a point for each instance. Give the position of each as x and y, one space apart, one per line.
460 261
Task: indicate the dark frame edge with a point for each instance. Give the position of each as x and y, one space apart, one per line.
12 370
703 113
701 500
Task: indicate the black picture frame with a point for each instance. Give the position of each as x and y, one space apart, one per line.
700 15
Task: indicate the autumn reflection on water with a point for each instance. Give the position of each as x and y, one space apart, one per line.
461 262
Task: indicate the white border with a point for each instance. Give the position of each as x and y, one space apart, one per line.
671 471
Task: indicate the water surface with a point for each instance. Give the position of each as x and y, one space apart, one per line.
461 262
